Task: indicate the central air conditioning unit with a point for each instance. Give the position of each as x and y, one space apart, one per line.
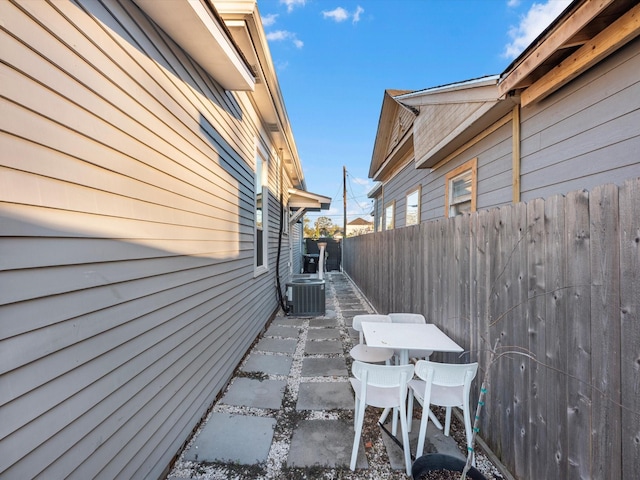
306 296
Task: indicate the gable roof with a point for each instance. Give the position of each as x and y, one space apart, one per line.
468 106
360 222
393 135
585 33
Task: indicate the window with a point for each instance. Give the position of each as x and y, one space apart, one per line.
261 200
413 207
388 216
460 189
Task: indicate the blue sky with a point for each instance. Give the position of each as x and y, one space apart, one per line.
335 58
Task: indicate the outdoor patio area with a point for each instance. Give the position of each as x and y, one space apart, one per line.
288 411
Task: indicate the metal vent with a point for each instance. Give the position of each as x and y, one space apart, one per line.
306 296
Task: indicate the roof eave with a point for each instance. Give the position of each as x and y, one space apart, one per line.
196 27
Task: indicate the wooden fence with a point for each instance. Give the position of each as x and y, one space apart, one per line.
557 280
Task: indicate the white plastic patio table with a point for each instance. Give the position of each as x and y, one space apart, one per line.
408 336
405 337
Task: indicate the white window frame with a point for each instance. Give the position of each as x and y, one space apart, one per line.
452 204
418 193
261 197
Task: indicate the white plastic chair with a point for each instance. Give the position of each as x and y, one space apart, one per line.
411 318
364 353
382 386
445 385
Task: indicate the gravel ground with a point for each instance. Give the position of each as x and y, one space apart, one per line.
276 467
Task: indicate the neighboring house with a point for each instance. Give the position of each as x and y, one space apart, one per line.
564 116
150 192
359 226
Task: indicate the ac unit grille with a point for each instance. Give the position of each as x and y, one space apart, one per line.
306 297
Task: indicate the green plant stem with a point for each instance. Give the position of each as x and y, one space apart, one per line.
476 422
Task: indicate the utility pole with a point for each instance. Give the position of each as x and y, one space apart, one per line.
344 201
344 208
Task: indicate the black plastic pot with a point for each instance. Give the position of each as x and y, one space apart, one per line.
437 461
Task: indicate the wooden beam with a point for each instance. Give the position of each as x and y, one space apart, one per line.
515 153
620 32
556 40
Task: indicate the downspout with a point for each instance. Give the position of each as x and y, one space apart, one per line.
283 304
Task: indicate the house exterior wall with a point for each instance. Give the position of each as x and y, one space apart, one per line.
587 133
494 179
128 292
584 135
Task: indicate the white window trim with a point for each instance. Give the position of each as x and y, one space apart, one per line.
261 269
391 205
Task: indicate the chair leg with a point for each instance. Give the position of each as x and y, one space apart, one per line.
447 422
435 420
405 439
410 410
384 415
422 433
394 422
359 413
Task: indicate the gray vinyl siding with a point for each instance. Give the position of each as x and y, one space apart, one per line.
494 174
127 286
587 133
494 179
398 187
296 234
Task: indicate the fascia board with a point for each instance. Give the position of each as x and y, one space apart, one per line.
475 94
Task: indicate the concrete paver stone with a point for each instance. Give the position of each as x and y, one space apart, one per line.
255 393
233 438
277 345
323 346
283 331
324 442
322 333
325 396
324 367
268 364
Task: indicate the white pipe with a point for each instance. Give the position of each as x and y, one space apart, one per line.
322 247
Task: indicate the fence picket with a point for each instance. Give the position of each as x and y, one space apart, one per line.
565 273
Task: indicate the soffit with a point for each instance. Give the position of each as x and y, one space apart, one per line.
301 199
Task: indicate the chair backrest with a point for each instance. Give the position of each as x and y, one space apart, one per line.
386 376
407 318
447 374
358 319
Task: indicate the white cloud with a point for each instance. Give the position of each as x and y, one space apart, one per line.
539 16
283 35
269 20
338 14
291 4
513 3
356 15
361 181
